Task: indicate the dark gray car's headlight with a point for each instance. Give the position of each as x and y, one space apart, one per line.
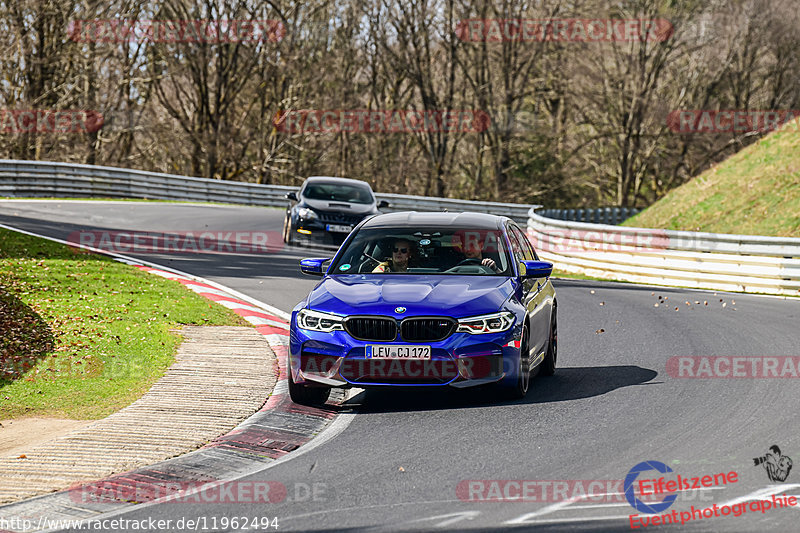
494 323
317 321
306 213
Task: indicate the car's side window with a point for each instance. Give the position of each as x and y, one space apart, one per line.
516 247
528 251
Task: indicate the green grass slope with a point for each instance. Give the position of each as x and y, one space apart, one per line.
82 335
754 192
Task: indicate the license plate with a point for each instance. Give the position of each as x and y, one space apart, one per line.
338 228
396 351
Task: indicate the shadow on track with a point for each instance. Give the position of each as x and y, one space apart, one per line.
567 384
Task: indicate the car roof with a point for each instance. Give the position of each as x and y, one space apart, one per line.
427 219
334 179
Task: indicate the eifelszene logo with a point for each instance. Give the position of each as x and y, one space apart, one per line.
777 466
630 495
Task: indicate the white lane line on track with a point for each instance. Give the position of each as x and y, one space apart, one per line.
362 507
567 520
760 494
523 519
566 505
449 519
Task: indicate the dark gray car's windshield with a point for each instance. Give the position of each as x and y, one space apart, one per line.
338 192
461 251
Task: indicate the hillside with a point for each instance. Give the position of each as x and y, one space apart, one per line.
754 192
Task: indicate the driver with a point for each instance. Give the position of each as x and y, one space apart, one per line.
473 249
401 253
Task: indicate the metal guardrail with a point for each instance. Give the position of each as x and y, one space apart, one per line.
677 258
744 263
36 179
599 215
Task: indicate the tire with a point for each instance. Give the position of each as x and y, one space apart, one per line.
311 396
287 230
548 366
521 385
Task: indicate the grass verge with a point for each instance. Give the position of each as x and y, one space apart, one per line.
84 335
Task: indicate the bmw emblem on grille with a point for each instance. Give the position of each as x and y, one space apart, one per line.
399 310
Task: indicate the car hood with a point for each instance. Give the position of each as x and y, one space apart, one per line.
448 295
339 207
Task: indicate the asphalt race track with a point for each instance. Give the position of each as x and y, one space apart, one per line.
405 460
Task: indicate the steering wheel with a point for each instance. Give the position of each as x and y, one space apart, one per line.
476 265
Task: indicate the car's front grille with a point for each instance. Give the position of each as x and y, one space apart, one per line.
329 217
429 329
371 328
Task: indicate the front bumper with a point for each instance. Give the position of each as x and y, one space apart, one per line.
316 231
461 360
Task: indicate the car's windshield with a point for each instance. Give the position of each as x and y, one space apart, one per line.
404 250
338 192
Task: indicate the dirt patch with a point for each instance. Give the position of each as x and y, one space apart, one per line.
20 435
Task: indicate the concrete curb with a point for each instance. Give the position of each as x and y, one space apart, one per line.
219 377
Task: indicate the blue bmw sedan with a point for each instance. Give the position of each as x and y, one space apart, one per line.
425 300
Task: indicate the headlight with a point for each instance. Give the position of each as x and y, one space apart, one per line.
306 213
494 323
316 321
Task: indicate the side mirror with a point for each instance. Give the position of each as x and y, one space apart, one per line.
313 266
382 204
535 269
291 196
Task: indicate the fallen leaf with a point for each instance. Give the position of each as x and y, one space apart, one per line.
401 469
23 456
599 331
676 308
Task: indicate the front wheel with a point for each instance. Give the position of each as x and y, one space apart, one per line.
287 230
551 357
304 395
519 389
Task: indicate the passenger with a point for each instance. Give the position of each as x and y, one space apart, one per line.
401 255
